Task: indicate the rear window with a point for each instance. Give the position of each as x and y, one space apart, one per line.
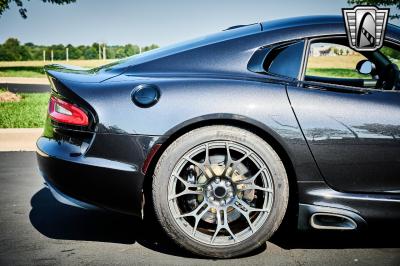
285 60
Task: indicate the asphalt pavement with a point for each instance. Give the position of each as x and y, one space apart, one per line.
25 88
37 230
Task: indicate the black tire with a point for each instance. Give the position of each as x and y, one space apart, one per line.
182 145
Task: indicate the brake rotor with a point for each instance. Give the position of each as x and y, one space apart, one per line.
247 195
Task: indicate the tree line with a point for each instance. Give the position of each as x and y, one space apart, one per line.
13 50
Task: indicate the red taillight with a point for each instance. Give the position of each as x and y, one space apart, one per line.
67 113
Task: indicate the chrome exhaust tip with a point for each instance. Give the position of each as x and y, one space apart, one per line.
332 221
329 218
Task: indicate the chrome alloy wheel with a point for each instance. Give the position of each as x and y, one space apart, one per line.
220 193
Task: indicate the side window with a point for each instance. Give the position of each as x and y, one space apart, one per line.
332 60
285 60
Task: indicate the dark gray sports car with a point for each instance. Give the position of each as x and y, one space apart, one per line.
224 135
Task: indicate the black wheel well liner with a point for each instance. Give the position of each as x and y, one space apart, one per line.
287 162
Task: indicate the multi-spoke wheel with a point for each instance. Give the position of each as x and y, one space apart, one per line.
220 191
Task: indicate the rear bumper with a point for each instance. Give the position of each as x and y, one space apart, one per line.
372 210
62 198
94 174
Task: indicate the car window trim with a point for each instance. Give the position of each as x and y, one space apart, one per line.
303 66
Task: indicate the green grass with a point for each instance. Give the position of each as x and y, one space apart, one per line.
30 112
335 72
26 72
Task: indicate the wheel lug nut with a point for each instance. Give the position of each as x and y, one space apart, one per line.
230 194
209 187
211 198
228 183
222 202
217 180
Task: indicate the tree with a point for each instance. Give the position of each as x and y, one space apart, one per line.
383 3
11 43
148 48
5 4
90 53
120 53
58 51
10 50
130 49
336 51
13 50
74 53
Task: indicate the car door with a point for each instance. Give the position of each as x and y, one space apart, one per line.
353 130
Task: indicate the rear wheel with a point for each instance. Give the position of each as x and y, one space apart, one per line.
220 191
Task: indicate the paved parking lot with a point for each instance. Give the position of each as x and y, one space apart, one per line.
36 229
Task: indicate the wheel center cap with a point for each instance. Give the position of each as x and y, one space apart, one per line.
220 192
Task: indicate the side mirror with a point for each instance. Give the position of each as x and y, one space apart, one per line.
366 67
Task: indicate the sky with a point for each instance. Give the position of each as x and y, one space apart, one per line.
142 22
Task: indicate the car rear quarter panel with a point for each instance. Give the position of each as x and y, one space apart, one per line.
188 100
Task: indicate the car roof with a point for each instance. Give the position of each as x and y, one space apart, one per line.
301 21
322 22
218 37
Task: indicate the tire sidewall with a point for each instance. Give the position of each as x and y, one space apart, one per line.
185 143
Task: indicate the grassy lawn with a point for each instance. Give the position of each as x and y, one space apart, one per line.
349 62
335 72
30 112
26 72
334 66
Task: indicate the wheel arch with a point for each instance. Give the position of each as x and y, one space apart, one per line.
262 131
